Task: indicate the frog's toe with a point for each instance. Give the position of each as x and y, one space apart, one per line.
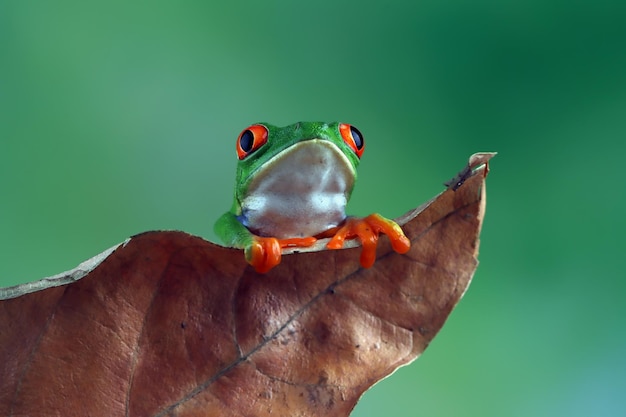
263 254
367 231
399 242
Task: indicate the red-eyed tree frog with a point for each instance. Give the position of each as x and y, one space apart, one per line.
292 187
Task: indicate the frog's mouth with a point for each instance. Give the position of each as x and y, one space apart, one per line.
301 191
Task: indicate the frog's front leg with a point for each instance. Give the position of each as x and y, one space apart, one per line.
367 230
263 253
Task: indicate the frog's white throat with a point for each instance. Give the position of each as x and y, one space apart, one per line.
302 191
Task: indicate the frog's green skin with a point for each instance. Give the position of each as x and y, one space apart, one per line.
296 185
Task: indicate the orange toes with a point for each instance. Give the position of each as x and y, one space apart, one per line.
263 254
367 231
399 242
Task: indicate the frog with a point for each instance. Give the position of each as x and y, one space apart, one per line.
292 186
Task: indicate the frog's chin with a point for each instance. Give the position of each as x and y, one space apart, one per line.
302 191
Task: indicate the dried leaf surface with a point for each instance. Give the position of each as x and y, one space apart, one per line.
169 324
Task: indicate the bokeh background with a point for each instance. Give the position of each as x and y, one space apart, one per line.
121 117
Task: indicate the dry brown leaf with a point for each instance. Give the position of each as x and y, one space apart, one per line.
169 324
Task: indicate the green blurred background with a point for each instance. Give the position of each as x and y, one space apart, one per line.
121 117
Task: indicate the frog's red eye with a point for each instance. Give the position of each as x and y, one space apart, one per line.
250 140
353 138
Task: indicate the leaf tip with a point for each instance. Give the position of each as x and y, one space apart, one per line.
477 162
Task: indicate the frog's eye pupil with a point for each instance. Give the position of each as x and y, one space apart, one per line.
247 141
358 137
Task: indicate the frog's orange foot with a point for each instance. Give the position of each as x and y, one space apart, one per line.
367 230
264 253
